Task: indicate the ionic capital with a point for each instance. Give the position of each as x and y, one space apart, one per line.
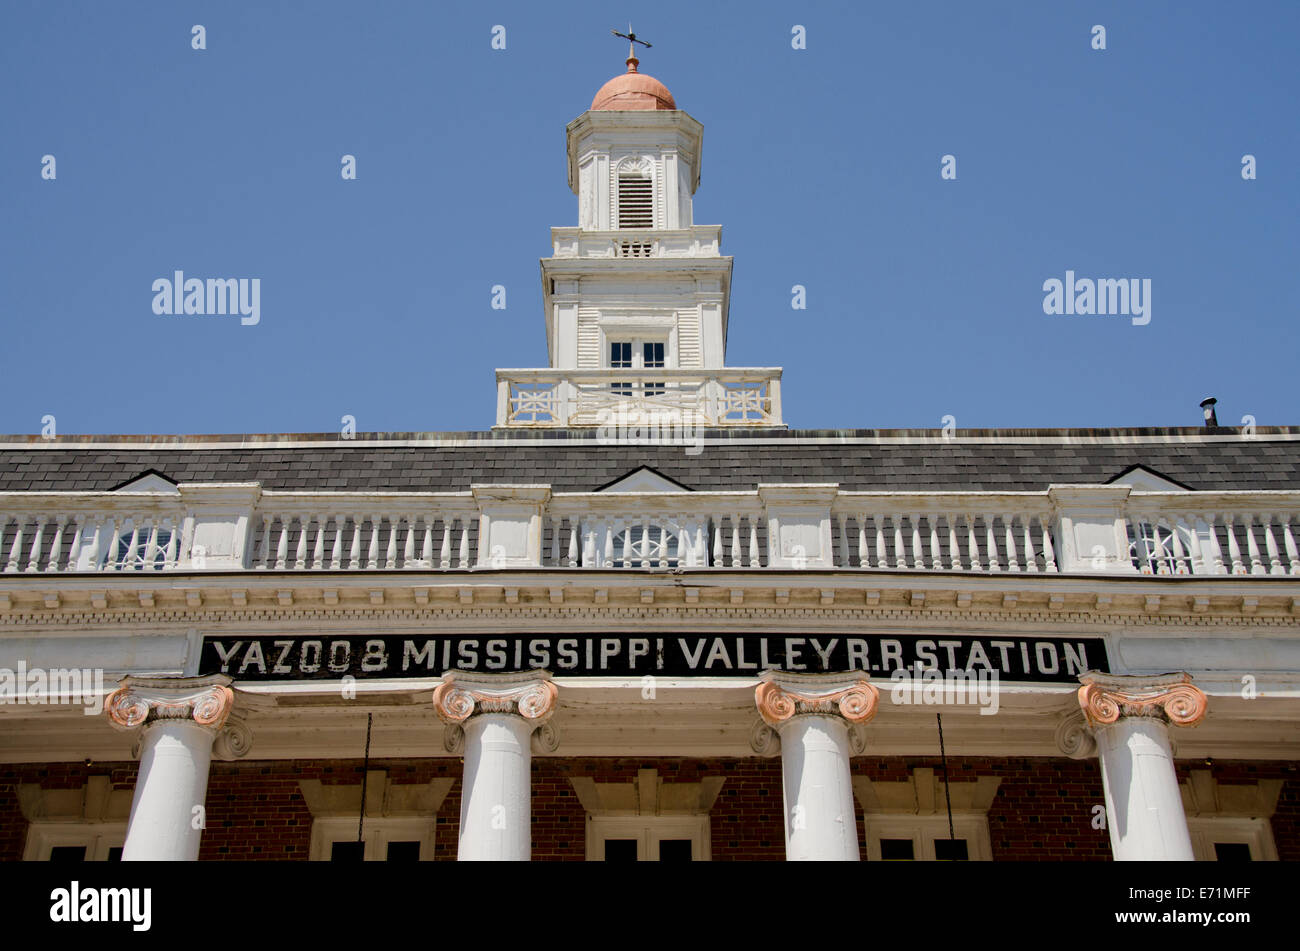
782 696
1105 698
458 698
140 701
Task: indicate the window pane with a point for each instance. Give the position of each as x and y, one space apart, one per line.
950 850
347 852
68 853
620 850
675 850
654 354
620 354
896 850
403 851
1232 851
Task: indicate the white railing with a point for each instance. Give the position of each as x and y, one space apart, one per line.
1074 529
317 531
945 532
698 241
100 531
1237 533
676 398
655 530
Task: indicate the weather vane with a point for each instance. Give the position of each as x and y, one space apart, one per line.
632 40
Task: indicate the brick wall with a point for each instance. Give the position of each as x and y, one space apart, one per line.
1043 808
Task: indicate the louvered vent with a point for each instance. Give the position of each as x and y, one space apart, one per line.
635 203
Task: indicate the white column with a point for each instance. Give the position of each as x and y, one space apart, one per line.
1129 718
812 715
180 718
498 715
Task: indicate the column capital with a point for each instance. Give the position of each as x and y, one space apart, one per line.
140 701
529 696
781 696
1171 698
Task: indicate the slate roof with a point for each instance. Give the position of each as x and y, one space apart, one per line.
572 461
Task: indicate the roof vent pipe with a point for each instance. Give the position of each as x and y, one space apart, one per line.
1208 406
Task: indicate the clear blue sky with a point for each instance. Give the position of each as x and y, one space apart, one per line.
822 165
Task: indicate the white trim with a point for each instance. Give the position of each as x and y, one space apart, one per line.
648 831
1208 830
924 830
376 835
97 837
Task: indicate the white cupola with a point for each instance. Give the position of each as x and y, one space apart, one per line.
636 296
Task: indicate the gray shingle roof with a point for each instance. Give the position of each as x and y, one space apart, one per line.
861 460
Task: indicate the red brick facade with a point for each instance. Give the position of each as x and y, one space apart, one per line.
1043 809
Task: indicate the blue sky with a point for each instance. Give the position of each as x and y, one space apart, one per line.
822 165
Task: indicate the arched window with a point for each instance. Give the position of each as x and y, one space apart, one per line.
654 546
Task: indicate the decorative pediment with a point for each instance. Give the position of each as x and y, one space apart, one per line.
1146 479
151 480
644 479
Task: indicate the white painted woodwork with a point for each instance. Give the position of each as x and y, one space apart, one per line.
496 797
1144 807
820 816
171 784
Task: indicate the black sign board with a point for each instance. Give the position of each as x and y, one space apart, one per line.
672 655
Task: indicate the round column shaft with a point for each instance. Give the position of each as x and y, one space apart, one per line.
812 714
496 717
180 718
1129 718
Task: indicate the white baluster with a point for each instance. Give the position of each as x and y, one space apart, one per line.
390 553
336 547
864 555
1008 521
1049 554
991 544
354 548
172 555
1252 547
1288 539
56 546
608 531
426 547
1270 543
918 559
1194 536
1160 557
264 553
573 544
318 544
444 554
300 550
408 544
843 547
645 542
372 549
95 525
936 556
753 545
1216 552
151 546
74 553
282 544
1234 550
464 543
717 542
1180 554
34 559
737 558
954 545
556 526
1031 559
128 563
972 543
900 552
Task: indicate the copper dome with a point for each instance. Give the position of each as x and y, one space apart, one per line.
633 90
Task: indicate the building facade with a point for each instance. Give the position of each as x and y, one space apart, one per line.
640 618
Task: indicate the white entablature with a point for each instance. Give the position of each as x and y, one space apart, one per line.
636 296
